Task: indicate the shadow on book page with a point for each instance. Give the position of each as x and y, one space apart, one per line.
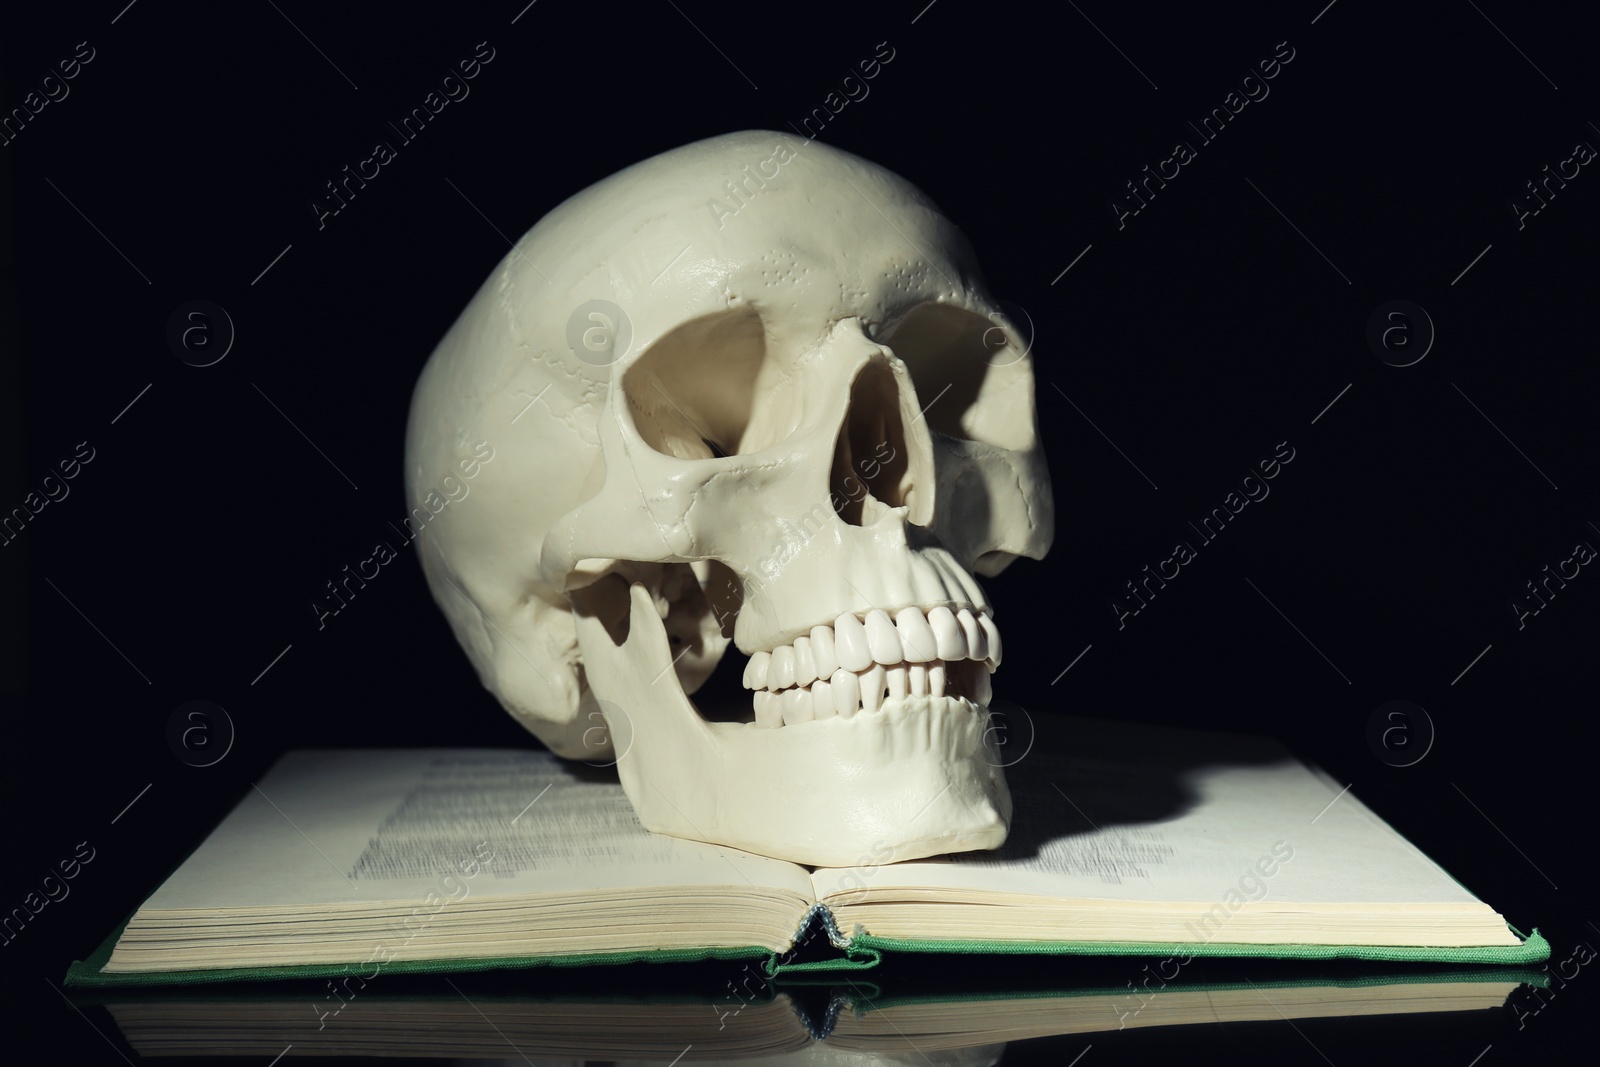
854 1025
1119 778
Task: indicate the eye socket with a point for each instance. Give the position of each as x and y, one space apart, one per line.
971 372
691 393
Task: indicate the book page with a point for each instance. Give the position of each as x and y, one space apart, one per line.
332 828
1127 812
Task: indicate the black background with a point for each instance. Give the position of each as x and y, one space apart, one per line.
1203 332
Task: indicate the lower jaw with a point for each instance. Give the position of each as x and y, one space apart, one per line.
918 777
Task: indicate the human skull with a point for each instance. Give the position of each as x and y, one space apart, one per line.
752 389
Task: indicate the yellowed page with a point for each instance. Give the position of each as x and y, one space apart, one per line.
1125 812
341 828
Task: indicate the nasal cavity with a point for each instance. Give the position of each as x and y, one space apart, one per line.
871 461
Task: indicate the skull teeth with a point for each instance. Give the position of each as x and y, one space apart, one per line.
912 636
859 664
848 693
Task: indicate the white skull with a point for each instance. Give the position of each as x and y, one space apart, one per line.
748 388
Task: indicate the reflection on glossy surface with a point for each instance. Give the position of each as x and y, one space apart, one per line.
851 1026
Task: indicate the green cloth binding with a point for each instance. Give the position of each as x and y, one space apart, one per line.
860 953
1534 949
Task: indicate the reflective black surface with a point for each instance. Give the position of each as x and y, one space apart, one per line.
950 1011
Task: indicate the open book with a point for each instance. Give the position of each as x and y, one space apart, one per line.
1126 839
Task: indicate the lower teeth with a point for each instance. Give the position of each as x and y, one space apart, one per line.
846 693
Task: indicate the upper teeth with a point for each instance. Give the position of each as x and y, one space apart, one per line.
852 664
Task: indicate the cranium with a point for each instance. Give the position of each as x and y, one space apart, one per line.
750 389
